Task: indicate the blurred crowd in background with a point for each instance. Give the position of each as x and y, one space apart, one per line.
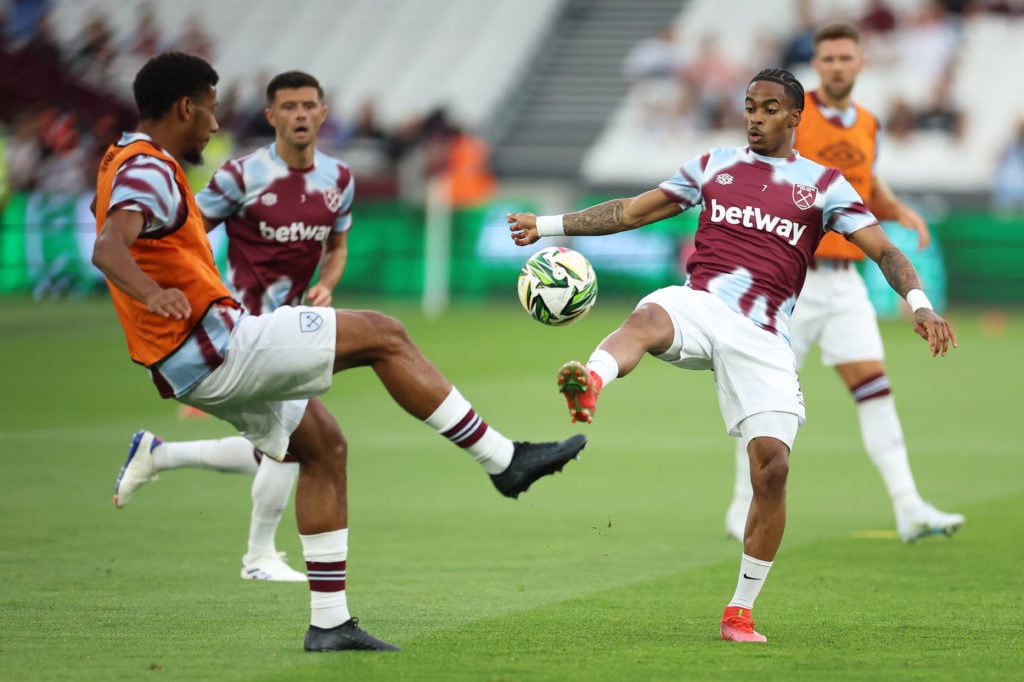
711 77
697 85
61 103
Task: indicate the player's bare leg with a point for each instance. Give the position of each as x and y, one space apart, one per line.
321 511
368 338
766 521
769 467
371 339
321 501
648 329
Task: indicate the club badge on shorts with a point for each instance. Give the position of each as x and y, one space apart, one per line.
310 322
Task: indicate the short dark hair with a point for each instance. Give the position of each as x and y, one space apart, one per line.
835 31
168 77
291 80
787 80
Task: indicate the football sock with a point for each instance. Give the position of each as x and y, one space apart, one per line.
753 573
604 365
456 420
234 455
326 555
270 491
742 488
883 439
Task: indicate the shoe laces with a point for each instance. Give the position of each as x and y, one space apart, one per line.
741 620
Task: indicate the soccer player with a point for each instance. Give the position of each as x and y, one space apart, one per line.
835 311
764 210
287 209
262 373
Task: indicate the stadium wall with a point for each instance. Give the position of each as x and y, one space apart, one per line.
46 246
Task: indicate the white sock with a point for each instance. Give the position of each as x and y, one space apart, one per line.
883 439
604 365
326 557
271 489
456 420
742 490
753 573
234 455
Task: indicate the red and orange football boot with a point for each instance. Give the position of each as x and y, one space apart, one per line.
580 386
738 626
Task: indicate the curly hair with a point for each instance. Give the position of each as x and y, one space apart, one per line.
168 77
787 80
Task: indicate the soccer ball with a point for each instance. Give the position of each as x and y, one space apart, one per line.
557 286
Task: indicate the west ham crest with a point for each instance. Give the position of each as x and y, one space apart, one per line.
804 196
310 322
332 197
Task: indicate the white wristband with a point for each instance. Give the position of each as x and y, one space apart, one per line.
917 299
550 226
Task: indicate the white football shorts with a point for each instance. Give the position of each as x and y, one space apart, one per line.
273 365
778 425
834 311
754 369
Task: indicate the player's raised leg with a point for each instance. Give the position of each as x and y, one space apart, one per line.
367 338
648 329
137 469
149 455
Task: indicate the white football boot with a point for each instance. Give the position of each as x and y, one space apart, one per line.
270 567
926 520
138 468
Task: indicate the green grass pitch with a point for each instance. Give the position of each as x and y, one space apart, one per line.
617 569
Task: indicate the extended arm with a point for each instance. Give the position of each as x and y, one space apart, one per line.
111 255
617 215
332 267
903 278
886 206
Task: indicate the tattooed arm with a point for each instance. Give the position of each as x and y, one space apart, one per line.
893 263
903 278
617 215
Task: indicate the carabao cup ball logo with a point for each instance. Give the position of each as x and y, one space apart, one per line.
557 286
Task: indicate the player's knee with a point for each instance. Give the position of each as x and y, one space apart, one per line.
644 317
388 331
335 444
769 477
650 326
331 455
323 445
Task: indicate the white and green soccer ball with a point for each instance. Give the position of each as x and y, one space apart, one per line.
557 286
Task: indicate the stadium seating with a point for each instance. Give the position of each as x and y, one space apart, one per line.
630 150
409 56
405 55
